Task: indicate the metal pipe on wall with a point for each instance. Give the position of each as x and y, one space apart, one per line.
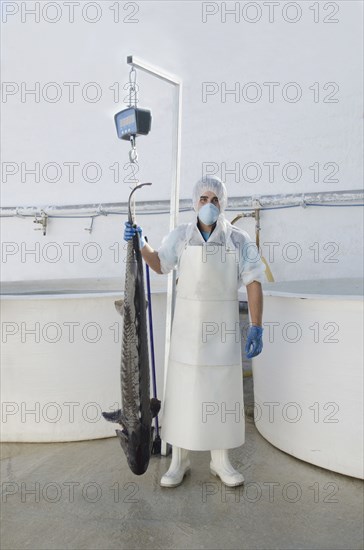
149 207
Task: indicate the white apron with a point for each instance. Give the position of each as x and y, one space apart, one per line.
203 407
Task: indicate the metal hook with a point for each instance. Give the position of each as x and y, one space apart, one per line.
133 155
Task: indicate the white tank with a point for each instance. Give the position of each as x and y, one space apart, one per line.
308 381
61 351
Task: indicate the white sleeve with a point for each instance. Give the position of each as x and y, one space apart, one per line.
251 266
170 249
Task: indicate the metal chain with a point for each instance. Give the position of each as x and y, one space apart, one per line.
132 88
133 154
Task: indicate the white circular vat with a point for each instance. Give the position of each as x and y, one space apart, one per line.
60 360
308 381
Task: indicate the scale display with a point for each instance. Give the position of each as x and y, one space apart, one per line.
133 122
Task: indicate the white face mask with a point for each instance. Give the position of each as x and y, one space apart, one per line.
208 213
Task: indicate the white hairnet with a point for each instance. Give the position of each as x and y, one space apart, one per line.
210 183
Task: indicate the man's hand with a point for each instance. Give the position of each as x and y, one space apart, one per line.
150 256
130 231
254 341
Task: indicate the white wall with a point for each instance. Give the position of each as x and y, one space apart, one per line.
236 132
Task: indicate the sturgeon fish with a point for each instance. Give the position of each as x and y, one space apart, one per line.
135 418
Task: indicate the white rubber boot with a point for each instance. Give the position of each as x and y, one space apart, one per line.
221 467
180 464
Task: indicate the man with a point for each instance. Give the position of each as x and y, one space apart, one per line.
203 406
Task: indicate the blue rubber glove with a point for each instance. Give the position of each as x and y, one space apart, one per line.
254 341
130 231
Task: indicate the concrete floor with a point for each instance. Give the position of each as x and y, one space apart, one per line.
82 495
